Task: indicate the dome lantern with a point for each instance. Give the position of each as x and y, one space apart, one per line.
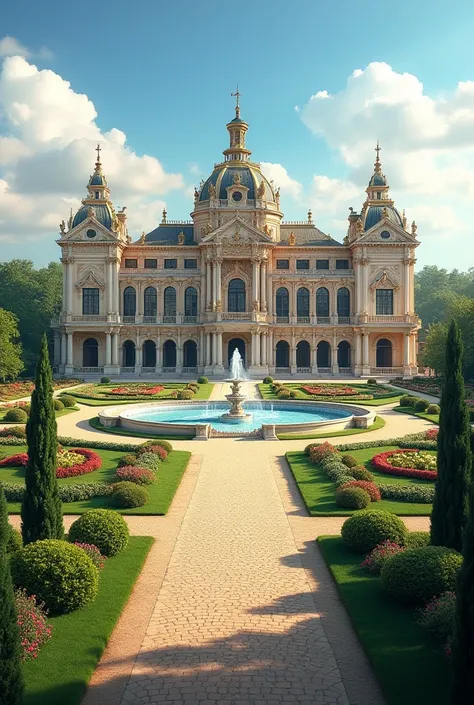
237 129
379 205
97 202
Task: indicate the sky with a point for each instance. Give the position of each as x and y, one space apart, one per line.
320 82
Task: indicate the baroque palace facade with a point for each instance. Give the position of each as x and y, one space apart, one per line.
180 299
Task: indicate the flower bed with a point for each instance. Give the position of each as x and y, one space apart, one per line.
13 460
91 461
14 390
331 391
132 391
396 462
34 629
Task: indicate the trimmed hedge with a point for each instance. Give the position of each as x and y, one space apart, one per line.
67 493
417 539
203 380
58 405
68 401
102 527
128 494
100 445
18 415
364 531
352 497
423 494
14 540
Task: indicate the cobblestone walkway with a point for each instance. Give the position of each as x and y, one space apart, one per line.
235 620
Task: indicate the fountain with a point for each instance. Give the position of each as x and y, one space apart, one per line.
237 413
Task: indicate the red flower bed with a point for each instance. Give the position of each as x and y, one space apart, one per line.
92 461
370 487
331 391
381 462
18 459
136 392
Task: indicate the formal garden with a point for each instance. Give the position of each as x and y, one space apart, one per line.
107 392
369 393
22 388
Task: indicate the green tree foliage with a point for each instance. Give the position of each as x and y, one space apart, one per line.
41 511
10 351
461 309
451 500
11 679
34 296
436 289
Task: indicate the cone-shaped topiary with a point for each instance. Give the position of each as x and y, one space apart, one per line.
451 500
41 511
11 679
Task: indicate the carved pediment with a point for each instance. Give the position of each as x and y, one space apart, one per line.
385 280
79 233
237 231
90 279
397 235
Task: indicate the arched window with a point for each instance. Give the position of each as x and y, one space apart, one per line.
282 356
129 301
344 354
322 302
90 353
384 353
169 354
149 353
303 354
190 354
343 302
236 296
282 304
302 304
324 354
129 353
169 298
190 303
149 303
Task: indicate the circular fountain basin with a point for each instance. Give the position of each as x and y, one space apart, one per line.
203 420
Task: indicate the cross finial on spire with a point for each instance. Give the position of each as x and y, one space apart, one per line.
377 165
237 95
98 150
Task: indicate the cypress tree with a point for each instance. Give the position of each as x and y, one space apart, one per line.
451 500
41 512
11 677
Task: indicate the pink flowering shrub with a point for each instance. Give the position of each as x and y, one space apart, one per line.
34 629
131 473
93 552
370 487
431 434
162 453
438 618
375 560
320 451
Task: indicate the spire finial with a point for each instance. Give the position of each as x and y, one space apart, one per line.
98 150
237 95
377 165
164 215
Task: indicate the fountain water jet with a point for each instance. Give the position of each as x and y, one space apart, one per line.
237 413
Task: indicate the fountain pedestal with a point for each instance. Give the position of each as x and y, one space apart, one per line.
237 413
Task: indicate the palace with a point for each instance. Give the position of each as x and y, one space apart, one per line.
178 300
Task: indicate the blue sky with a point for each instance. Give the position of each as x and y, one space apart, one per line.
162 74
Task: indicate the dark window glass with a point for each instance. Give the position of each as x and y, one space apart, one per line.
190 304
149 353
323 354
282 304
169 354
91 233
343 302
384 302
170 302
90 353
190 354
190 263
383 353
171 263
129 301
344 354
283 263
322 303
90 304
303 354
282 354
342 264
302 264
149 308
131 264
236 296
97 194
129 353
322 264
302 304
151 264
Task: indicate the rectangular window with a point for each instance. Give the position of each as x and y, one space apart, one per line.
131 264
90 302
302 264
322 264
384 302
171 263
283 263
151 263
190 264
342 264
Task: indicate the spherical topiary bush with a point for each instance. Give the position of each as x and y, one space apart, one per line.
128 494
361 473
18 415
58 405
284 393
164 444
365 530
105 380
129 459
352 498
417 575
421 405
369 487
433 409
268 380
68 401
408 400
349 461
185 394
203 380
371 381
57 573
417 539
14 540
104 528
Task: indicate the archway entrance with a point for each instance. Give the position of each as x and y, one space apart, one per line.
240 345
90 353
384 353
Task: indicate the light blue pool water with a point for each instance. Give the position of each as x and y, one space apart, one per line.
262 413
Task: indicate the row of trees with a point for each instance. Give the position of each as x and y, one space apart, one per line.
41 518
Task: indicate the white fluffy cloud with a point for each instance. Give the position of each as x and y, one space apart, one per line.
47 153
278 174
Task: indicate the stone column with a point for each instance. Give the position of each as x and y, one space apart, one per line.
218 285
334 363
57 349
263 350
64 299
263 286
270 360
179 355
365 355
406 287
115 341
69 288
252 352
358 354
69 369
255 282
159 353
406 354
208 360
108 349
257 349
63 348
201 350
269 293
294 304
214 285
208 285
214 349
110 286
314 357
219 349
138 354
293 355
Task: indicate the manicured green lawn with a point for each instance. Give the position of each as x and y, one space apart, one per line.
378 423
434 418
202 394
161 491
95 423
60 674
62 412
410 667
268 394
318 491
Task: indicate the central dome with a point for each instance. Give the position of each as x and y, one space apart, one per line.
224 176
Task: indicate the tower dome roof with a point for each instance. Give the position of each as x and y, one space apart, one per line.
102 212
375 213
97 179
378 180
225 175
